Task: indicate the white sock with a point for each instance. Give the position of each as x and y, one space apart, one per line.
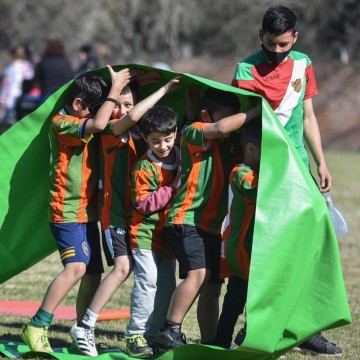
90 318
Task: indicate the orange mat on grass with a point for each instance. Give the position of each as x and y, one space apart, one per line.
29 308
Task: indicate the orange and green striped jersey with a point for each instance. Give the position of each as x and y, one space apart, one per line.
238 235
202 193
117 157
73 171
148 177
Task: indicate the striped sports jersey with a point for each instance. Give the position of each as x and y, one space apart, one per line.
149 176
285 86
117 157
201 196
237 238
73 171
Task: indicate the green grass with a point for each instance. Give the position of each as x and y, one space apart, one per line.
345 169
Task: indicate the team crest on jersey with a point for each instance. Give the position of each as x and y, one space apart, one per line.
297 85
85 248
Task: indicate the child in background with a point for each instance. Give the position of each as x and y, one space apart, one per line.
238 234
193 226
153 183
73 214
118 155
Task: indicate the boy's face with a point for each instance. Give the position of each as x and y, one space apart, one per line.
278 43
161 144
126 103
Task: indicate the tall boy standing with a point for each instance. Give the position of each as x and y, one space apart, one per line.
196 215
285 78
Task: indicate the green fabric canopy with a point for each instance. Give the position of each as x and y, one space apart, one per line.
296 286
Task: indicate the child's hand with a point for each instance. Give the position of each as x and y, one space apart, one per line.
121 78
145 78
173 84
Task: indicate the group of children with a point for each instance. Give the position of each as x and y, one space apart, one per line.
158 206
151 209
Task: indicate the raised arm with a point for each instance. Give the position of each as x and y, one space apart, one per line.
231 123
134 115
118 81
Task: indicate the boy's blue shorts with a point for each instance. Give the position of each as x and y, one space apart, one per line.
79 242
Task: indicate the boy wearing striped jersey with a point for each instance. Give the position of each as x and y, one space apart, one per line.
285 78
238 233
118 155
73 213
153 183
196 214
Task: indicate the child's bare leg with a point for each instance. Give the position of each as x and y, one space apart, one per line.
208 311
62 284
185 294
119 273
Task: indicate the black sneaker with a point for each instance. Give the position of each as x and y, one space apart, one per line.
168 339
318 345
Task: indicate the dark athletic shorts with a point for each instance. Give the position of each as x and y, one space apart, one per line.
195 249
115 243
79 242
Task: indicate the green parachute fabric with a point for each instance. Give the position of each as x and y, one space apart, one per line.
296 286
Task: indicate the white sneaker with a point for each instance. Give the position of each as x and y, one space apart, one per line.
85 339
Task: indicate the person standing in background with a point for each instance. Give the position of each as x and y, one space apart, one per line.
54 69
15 73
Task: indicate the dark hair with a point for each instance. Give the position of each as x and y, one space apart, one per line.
251 133
279 20
160 119
217 100
133 89
54 47
90 88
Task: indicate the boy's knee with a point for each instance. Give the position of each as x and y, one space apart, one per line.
76 269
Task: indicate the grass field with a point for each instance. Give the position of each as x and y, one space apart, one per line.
32 284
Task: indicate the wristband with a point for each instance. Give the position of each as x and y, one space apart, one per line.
112 100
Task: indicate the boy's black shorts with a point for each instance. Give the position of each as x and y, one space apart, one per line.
195 249
115 243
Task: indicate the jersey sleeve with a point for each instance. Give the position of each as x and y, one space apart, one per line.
311 88
247 180
69 130
194 137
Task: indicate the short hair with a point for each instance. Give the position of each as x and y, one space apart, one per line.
90 88
133 89
54 47
159 119
251 133
217 100
279 20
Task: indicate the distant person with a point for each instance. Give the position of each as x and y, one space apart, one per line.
285 78
54 68
72 200
14 75
88 59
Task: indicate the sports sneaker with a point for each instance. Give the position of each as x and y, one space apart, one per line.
36 338
136 346
85 339
168 339
318 345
